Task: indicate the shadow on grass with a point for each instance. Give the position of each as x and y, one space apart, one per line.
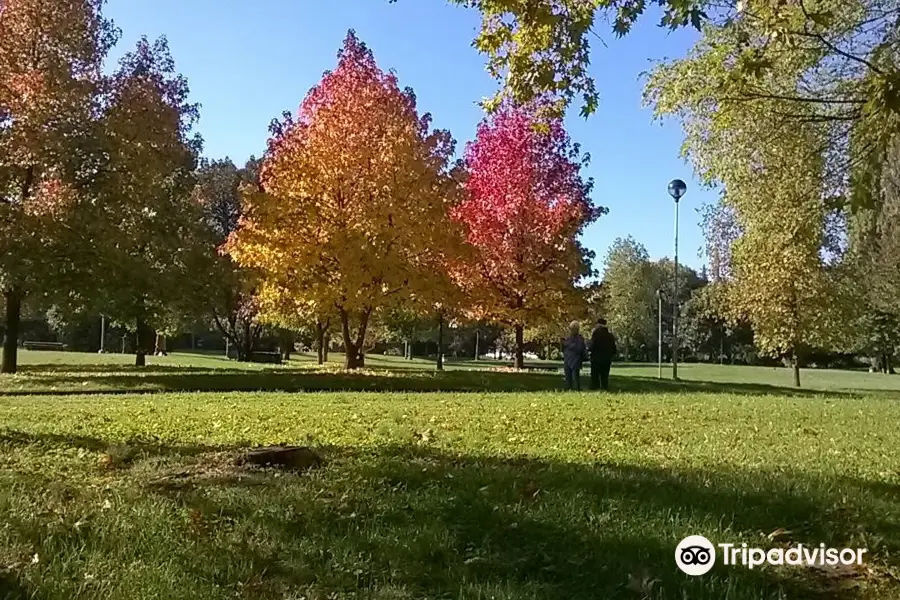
76 368
13 588
185 379
408 522
435 524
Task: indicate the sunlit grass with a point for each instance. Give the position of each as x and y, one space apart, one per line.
473 483
81 372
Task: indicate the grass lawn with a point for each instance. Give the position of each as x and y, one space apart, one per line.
525 492
72 372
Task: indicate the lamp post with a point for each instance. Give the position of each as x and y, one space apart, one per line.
677 189
659 338
102 334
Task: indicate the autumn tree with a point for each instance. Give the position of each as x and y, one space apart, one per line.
777 185
146 221
633 285
873 266
445 301
781 284
353 201
280 304
662 282
703 331
708 319
631 297
51 55
828 66
227 293
720 227
843 52
525 207
542 48
405 326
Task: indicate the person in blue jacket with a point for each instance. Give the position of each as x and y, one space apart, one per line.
574 354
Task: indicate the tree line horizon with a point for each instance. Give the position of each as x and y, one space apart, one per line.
359 212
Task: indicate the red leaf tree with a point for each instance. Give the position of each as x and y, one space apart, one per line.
525 208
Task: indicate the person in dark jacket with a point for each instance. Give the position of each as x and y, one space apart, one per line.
603 349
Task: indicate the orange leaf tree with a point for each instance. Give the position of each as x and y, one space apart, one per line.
525 207
51 54
354 199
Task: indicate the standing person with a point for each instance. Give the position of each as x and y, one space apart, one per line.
574 352
603 349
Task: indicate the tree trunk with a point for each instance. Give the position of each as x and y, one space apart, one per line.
245 349
440 342
140 347
11 339
520 346
10 362
327 343
796 367
353 355
722 347
353 359
320 343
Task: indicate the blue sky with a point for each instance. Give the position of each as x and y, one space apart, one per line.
247 62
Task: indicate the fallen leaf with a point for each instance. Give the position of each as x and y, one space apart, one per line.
641 584
779 533
530 491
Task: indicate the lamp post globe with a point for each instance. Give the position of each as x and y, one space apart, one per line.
677 189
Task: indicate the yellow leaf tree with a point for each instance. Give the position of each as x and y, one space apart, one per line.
774 232
353 207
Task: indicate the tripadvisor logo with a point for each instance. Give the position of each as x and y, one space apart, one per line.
696 555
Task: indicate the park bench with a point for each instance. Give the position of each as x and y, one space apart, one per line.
260 357
266 357
44 346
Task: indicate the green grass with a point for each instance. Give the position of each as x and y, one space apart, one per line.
62 372
524 492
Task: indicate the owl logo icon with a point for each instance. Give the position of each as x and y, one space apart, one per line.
695 555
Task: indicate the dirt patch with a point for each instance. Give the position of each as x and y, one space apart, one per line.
251 467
